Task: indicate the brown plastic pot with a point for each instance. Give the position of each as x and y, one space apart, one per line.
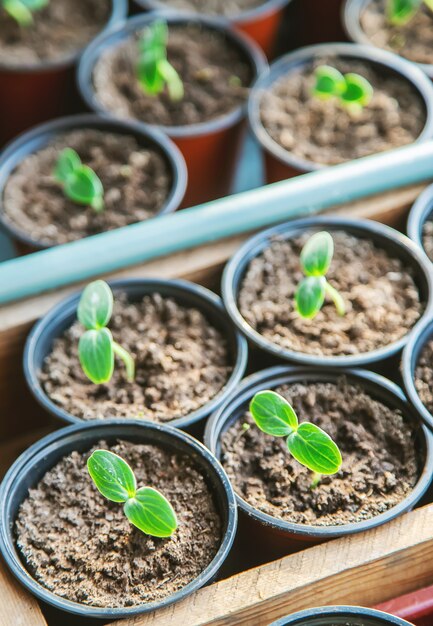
35 93
281 164
210 149
262 23
273 537
39 137
320 21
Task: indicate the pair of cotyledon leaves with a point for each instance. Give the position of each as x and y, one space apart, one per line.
80 183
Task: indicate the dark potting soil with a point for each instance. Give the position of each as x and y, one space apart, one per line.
59 30
382 300
427 238
136 180
181 360
424 376
215 74
214 7
80 546
380 464
412 40
326 132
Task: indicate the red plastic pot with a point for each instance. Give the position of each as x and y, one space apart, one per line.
320 21
262 24
281 164
31 94
415 607
211 148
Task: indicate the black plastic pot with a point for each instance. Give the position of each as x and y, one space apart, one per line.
384 237
208 147
410 358
39 137
40 341
34 93
33 464
273 537
341 616
281 164
351 13
421 211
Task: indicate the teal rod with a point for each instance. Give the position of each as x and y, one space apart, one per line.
304 195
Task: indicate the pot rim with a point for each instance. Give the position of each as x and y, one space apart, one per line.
67 307
421 210
235 269
291 61
39 450
43 134
350 13
280 374
118 13
125 30
301 618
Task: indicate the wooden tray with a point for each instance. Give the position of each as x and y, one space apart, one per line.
365 569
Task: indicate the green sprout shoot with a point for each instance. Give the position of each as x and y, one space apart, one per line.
22 10
96 348
352 90
145 508
153 69
306 442
400 12
316 257
80 183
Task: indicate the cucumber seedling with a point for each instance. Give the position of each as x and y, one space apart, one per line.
351 90
400 12
96 347
146 508
316 257
80 183
22 10
306 442
154 72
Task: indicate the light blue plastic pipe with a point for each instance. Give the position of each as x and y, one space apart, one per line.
304 195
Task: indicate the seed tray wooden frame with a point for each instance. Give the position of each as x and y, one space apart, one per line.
364 569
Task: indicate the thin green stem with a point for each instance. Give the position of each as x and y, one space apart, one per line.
315 480
127 359
172 79
336 299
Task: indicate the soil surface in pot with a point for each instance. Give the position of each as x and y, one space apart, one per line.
214 7
136 180
424 376
215 73
380 464
59 30
412 40
80 546
327 133
427 238
181 360
382 300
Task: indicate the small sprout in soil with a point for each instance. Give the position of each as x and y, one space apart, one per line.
22 10
80 183
153 69
400 12
306 442
96 348
145 508
316 257
352 90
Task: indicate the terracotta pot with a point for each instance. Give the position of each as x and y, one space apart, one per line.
210 149
281 164
415 607
31 94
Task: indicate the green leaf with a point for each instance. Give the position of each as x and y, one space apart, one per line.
84 187
357 90
96 305
151 513
316 255
329 82
66 165
314 448
21 10
112 476
95 350
402 11
310 296
273 414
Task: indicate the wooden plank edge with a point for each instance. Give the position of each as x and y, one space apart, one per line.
17 606
363 569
